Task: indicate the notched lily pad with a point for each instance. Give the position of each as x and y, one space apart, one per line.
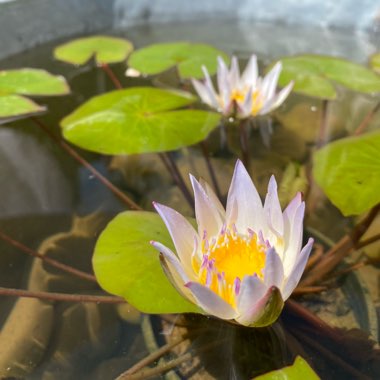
300 370
127 265
138 120
104 49
33 82
187 57
348 170
314 75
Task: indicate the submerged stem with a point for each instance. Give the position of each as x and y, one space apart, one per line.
210 168
244 143
368 118
48 296
322 138
172 168
57 264
74 154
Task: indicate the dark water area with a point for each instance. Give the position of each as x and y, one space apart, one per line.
53 205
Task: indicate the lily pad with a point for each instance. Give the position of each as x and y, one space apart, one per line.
12 106
375 62
32 82
187 57
138 120
348 170
104 49
127 265
314 75
300 370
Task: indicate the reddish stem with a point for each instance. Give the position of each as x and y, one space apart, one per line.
368 118
111 75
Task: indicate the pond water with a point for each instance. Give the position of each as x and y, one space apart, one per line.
53 205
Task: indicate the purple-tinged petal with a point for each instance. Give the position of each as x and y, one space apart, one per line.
273 270
223 84
269 84
212 93
181 232
207 214
252 289
272 208
244 206
210 302
295 275
264 311
250 74
245 106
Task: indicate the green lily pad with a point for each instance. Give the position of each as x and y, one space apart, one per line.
32 82
374 62
12 106
314 75
348 170
138 120
103 48
187 57
127 265
300 370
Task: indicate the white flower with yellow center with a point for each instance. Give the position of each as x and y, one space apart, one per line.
243 262
245 95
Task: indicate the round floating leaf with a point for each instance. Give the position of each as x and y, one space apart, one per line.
348 170
127 265
187 57
32 82
375 62
300 370
314 75
137 120
103 48
12 106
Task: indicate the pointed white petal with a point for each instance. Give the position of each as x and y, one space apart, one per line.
250 74
269 84
251 290
175 264
204 93
207 214
223 85
272 208
293 242
244 206
210 193
210 87
181 232
277 100
296 274
234 75
210 302
273 270
245 106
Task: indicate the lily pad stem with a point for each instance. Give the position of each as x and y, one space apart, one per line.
322 137
74 154
111 75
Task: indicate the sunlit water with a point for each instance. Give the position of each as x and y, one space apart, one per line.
50 203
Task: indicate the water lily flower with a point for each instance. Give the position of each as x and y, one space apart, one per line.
245 95
243 262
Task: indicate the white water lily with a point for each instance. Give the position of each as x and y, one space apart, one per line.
245 95
243 262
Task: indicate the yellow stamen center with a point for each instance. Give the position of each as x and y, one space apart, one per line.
227 259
